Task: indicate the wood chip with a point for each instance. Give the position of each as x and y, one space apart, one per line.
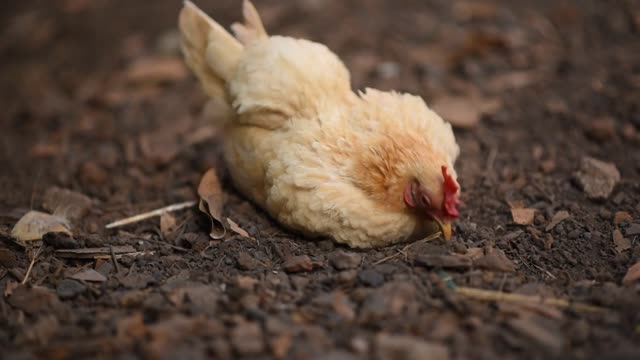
92 253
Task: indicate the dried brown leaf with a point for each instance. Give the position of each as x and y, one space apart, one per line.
89 275
559 217
34 224
233 226
211 202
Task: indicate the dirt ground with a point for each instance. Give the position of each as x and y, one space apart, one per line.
96 100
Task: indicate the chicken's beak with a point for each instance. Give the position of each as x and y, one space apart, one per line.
445 228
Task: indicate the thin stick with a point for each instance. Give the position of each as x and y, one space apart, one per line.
404 249
150 214
113 259
33 262
490 295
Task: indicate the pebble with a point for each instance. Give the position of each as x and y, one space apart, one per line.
7 258
370 278
69 289
408 347
246 339
246 262
597 178
342 260
298 264
602 129
633 229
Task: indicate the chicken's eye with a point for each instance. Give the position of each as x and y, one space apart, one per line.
425 201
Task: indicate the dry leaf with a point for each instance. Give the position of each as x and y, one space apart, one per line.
523 216
559 217
211 202
620 241
633 275
622 216
167 224
89 275
34 224
233 226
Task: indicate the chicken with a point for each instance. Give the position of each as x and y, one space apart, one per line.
367 169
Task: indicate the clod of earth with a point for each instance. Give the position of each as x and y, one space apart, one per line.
597 178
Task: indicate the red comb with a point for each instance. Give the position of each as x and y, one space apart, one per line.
450 189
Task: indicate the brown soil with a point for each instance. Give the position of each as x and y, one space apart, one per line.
556 81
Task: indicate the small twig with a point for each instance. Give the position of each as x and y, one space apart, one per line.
545 271
150 214
404 249
113 259
491 159
33 262
490 295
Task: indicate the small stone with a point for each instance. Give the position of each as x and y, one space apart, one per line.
59 240
632 276
597 178
523 216
342 260
495 261
408 347
246 339
370 277
92 173
298 264
633 229
7 258
602 129
69 289
443 261
620 241
574 234
246 262
246 282
621 217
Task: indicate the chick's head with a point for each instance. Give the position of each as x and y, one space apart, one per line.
407 173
